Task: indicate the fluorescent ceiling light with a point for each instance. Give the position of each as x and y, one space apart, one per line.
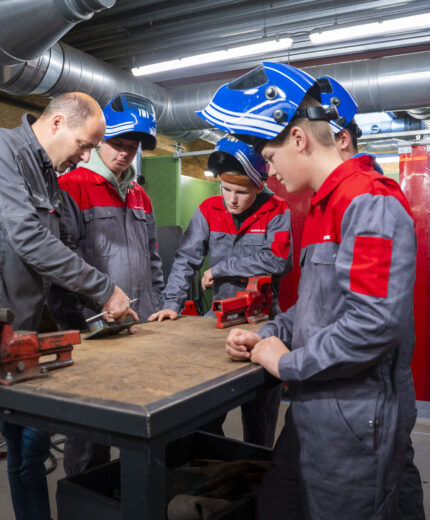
369 29
211 57
384 160
208 173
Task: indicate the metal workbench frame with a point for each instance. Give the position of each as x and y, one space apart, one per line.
141 432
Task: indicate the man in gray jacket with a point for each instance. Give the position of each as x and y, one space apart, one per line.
32 256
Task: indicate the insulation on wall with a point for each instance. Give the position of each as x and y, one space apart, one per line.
415 183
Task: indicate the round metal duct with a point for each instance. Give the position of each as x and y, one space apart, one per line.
29 28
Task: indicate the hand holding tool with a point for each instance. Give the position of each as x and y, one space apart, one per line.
105 312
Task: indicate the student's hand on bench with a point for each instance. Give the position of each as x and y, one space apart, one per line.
267 353
163 314
207 280
239 342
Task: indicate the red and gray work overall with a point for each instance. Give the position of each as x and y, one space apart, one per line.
351 335
261 245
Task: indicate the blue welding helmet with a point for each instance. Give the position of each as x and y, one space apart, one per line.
133 117
259 105
333 94
230 154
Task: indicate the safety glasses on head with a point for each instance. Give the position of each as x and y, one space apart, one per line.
333 94
133 117
259 105
232 154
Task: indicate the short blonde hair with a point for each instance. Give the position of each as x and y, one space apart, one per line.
237 178
321 130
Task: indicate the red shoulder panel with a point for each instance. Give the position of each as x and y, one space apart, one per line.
351 179
370 269
217 216
137 198
281 244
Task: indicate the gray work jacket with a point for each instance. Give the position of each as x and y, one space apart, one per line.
31 253
118 237
351 335
261 245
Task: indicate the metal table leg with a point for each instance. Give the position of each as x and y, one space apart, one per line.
143 483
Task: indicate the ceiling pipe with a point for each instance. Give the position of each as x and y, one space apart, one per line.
399 124
422 114
65 69
380 147
29 28
201 23
375 83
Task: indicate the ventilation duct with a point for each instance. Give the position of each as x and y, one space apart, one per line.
378 84
210 135
380 147
421 113
398 124
65 69
30 27
375 83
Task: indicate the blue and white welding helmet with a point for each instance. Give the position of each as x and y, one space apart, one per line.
333 94
250 162
133 117
257 106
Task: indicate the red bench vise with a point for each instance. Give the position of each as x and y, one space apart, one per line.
20 351
251 305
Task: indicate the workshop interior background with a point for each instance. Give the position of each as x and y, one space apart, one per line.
389 75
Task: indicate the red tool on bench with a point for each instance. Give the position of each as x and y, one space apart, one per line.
20 351
251 305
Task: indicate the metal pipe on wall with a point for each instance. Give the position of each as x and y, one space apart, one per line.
377 84
42 22
65 69
400 124
381 84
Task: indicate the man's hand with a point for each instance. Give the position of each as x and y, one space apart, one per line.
207 280
161 315
239 342
118 306
267 353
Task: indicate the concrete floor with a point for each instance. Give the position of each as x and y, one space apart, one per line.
233 428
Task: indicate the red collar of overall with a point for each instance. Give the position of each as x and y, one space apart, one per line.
216 213
99 179
89 189
363 163
267 205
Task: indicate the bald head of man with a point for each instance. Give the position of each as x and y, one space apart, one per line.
69 127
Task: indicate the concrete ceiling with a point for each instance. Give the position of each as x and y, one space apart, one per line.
140 32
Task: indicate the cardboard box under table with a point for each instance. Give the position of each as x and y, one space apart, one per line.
139 393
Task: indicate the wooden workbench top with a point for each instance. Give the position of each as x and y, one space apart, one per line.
161 359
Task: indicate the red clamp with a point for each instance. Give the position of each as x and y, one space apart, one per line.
20 351
251 305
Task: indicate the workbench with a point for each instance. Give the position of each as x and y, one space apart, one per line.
139 392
